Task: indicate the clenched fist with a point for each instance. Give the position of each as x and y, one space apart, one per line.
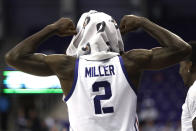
64 27
130 23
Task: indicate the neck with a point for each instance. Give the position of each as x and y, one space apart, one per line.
192 79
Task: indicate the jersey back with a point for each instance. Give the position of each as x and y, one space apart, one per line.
102 98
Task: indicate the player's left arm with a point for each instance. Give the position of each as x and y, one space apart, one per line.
173 48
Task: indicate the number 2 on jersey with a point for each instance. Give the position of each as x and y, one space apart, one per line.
106 96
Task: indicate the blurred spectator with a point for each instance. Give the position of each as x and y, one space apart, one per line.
21 122
64 129
30 121
149 125
148 112
178 127
169 126
148 115
34 123
50 122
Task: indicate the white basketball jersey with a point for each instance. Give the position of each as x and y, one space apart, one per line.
189 109
102 98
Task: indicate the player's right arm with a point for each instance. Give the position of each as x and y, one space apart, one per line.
23 57
173 49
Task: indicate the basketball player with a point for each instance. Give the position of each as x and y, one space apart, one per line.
100 85
188 73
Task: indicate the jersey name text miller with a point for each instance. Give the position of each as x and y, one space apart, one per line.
97 71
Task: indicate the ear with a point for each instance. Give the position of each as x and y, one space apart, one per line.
189 66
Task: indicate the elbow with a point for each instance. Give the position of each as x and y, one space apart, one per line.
187 49
10 58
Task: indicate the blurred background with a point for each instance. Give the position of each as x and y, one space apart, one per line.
160 97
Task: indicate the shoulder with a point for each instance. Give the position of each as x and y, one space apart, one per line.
138 57
138 54
58 58
61 64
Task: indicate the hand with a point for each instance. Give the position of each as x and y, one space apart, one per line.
130 23
64 27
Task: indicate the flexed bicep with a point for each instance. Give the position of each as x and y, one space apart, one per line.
156 58
163 57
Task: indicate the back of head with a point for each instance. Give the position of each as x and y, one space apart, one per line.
188 66
192 58
97 32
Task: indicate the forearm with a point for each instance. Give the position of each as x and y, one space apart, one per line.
163 36
30 44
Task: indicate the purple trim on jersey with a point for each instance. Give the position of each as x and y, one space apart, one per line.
126 75
74 82
135 125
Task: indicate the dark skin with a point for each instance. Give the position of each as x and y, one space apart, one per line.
194 124
188 74
23 57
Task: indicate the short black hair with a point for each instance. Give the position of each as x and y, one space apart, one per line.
193 55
